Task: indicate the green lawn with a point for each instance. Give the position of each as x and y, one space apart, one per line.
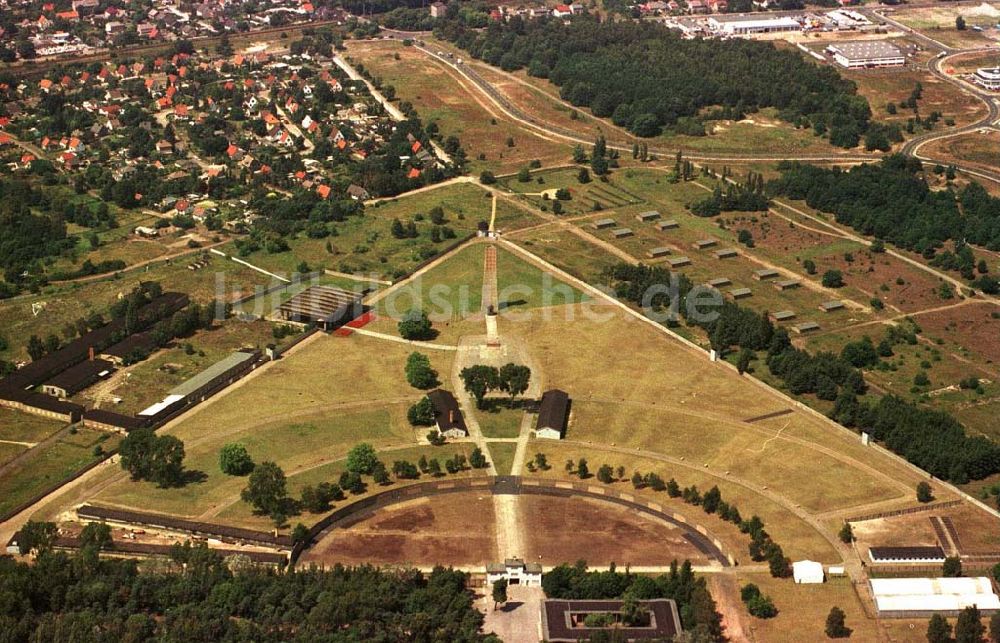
25 427
503 456
499 421
56 463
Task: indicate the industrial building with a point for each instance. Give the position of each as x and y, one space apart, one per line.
921 597
553 414
752 25
866 53
988 78
327 307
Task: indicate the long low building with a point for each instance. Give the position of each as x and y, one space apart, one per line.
76 378
858 54
199 387
752 24
921 597
903 555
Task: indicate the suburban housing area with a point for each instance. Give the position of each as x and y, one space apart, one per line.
465 321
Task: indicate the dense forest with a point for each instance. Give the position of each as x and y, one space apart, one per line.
31 230
930 439
694 602
82 598
647 78
892 201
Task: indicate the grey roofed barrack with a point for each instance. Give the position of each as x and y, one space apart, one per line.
214 371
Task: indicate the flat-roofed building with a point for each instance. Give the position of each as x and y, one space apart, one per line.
701 244
988 78
805 327
104 420
76 378
921 597
325 306
657 253
621 233
765 273
752 25
602 224
679 262
866 53
740 293
783 315
832 305
553 415
726 253
787 284
718 282
647 217
902 555
448 416
40 404
669 224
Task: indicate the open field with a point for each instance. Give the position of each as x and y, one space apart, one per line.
938 22
938 95
565 530
499 421
364 245
503 457
568 251
867 275
797 537
305 419
802 611
70 453
944 366
451 294
978 149
451 529
438 96
25 427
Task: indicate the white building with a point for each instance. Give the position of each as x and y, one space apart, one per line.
866 53
807 572
920 597
988 78
751 25
516 571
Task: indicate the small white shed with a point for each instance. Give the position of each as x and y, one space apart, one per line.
807 571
